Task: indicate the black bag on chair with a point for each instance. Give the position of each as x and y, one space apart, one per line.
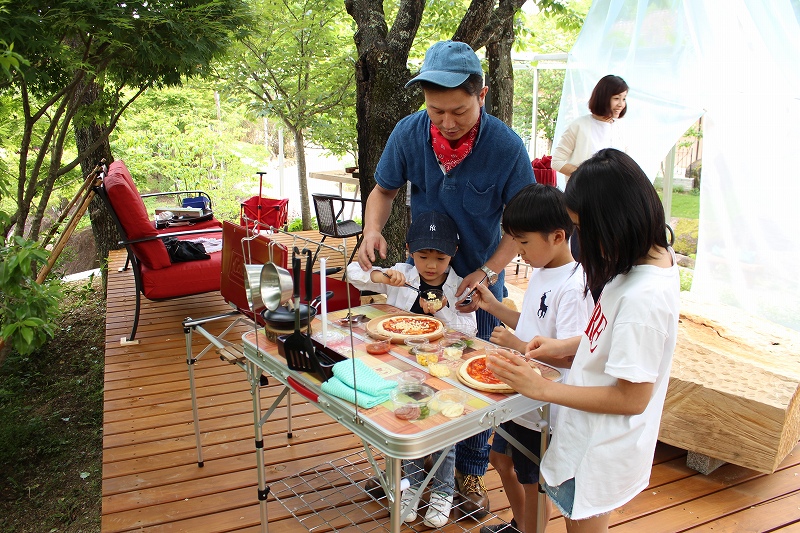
180 251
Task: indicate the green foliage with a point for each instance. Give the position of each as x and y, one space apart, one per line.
686 231
171 139
83 56
299 65
9 59
553 30
28 310
687 275
686 204
51 417
296 224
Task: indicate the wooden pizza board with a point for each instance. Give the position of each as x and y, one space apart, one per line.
462 370
372 325
546 371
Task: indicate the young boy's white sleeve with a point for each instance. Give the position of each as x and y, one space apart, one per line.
361 280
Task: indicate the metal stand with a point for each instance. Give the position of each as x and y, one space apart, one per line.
190 325
254 373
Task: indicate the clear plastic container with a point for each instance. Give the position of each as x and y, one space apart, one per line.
413 342
452 350
450 402
427 353
434 297
411 400
411 376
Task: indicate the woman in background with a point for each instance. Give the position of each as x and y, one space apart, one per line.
600 129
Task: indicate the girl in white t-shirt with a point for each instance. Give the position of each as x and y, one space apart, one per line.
602 448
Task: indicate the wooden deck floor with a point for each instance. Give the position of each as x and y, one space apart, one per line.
151 481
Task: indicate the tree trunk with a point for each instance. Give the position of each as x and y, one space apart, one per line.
302 178
382 71
381 100
501 72
106 236
379 107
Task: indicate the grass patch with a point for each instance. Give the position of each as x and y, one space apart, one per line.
51 418
685 204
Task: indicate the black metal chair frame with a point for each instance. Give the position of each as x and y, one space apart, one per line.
131 259
329 225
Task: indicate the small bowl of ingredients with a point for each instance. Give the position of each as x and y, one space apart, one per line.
452 350
439 370
427 353
411 400
378 347
414 341
434 298
450 402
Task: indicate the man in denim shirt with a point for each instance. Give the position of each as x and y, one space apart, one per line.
463 162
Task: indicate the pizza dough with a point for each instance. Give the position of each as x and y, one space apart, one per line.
474 367
399 327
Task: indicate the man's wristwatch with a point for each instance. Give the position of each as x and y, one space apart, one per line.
491 275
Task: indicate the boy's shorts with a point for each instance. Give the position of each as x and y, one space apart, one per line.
527 471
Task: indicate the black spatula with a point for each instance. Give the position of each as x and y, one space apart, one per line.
310 348
294 345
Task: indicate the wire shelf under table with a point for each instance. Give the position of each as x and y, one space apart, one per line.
331 497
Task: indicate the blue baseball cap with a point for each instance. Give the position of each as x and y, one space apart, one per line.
432 231
449 64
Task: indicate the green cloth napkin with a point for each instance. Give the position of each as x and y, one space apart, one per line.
335 387
365 379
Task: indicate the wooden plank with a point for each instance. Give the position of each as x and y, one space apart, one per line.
764 517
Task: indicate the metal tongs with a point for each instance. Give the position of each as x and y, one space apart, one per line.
468 299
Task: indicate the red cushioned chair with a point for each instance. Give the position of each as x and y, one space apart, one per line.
156 277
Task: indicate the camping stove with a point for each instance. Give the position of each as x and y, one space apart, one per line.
272 333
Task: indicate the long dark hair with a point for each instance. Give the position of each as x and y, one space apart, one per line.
620 216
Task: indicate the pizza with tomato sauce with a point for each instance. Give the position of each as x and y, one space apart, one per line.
401 327
474 373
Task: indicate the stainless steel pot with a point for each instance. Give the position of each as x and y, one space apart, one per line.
275 285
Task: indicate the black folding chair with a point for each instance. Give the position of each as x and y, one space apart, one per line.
329 208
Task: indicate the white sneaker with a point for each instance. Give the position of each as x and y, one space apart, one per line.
407 511
438 510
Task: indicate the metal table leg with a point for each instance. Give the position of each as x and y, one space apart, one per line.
541 508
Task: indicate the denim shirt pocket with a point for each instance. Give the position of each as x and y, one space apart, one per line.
478 202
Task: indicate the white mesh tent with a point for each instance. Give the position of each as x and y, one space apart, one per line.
736 63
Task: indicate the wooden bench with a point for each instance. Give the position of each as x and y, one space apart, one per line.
732 392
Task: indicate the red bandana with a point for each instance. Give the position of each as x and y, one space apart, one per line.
450 156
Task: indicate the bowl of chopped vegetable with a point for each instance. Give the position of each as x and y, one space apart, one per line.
411 400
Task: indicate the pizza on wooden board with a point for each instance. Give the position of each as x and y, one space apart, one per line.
404 326
473 373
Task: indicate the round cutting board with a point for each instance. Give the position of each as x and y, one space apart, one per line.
372 330
463 377
546 372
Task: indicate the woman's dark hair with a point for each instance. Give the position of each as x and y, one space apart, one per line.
600 101
620 216
536 208
473 85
